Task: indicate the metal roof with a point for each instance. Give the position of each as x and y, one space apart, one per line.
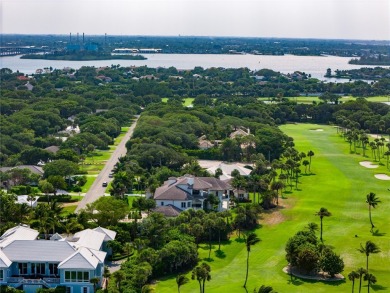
17 233
83 258
38 251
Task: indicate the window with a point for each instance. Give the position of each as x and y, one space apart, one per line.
189 204
84 290
22 268
76 276
38 269
1 275
53 268
162 203
68 289
183 204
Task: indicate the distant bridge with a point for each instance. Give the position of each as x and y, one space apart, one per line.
11 51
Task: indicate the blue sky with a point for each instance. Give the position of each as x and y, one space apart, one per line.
338 19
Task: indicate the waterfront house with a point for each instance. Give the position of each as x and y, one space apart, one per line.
28 264
192 192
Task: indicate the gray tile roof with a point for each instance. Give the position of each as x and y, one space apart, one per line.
38 251
168 210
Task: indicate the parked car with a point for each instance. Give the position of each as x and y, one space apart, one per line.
104 184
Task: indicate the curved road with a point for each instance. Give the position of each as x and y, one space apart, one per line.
96 190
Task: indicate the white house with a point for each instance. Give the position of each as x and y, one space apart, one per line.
191 192
28 264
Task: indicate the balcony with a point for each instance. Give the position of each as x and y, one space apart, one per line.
34 280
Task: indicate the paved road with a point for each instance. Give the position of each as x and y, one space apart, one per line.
96 190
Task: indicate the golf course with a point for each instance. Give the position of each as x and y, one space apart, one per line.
337 182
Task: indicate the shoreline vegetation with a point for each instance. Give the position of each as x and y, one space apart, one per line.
380 61
83 57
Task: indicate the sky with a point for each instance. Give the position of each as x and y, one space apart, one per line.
329 19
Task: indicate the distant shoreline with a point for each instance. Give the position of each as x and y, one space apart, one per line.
76 57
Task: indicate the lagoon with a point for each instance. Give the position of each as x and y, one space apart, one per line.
314 65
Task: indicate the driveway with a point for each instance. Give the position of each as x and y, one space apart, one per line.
96 190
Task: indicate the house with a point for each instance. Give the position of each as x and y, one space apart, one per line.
31 202
169 210
191 192
228 168
239 132
29 264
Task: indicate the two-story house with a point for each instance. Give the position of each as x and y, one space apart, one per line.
28 263
191 192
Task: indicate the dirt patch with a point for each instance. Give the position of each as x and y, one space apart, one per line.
368 164
382 177
318 277
275 216
317 129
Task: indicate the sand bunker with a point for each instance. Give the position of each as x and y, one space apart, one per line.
318 129
368 164
382 177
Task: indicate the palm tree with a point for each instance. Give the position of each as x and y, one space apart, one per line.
323 212
128 248
371 280
361 272
106 276
252 239
180 281
372 201
221 226
367 249
119 276
312 227
352 276
278 185
310 154
94 281
201 274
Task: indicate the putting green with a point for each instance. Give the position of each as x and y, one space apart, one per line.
340 184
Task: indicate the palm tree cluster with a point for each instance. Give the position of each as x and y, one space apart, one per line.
358 138
268 180
361 273
202 274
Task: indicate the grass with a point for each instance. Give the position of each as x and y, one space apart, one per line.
130 200
338 183
186 101
311 99
93 164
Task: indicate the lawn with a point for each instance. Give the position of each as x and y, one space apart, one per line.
311 99
338 183
186 101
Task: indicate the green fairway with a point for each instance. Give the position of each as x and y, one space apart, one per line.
311 99
186 101
339 184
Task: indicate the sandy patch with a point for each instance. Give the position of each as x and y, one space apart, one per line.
368 164
378 136
318 129
273 218
382 177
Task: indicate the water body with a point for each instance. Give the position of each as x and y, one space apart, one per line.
314 65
